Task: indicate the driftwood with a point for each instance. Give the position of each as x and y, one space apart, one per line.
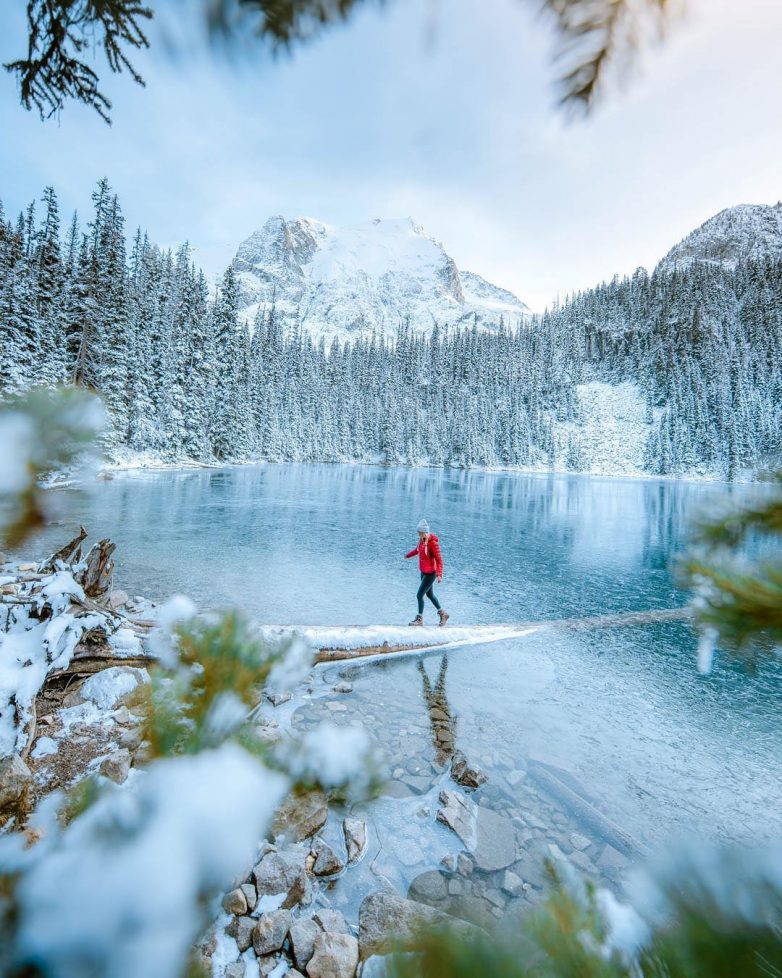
66 554
623 620
96 577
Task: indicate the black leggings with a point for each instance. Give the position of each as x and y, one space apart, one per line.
426 590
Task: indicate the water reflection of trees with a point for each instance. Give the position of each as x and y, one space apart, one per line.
441 719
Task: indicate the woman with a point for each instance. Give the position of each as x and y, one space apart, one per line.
430 563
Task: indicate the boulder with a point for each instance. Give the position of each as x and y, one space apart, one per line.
270 931
489 836
118 599
116 766
302 935
512 884
283 873
15 781
327 862
331 921
355 832
579 842
387 921
465 773
235 902
429 887
241 929
301 816
335 956
250 896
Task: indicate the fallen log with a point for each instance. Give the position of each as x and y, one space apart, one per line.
627 619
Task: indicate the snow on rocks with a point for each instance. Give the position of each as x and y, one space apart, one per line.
108 688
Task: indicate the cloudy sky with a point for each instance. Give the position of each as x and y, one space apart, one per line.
442 110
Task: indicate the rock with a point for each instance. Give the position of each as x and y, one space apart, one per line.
303 933
612 860
235 902
15 781
385 920
512 884
269 965
579 841
111 687
429 887
335 956
279 873
355 832
458 814
9 589
130 738
489 836
122 716
343 688
327 862
116 766
270 931
250 896
336 707
583 862
118 599
332 921
241 929
27 568
418 785
302 815
465 773
277 699
234 970
464 865
449 862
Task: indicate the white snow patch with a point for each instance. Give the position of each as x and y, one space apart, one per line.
44 746
106 688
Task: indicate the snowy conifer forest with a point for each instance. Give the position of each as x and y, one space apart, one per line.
185 378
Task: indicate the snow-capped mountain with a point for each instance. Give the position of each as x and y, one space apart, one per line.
748 231
339 281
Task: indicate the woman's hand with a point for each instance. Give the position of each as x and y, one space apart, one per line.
439 578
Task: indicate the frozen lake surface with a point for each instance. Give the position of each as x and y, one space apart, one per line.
620 715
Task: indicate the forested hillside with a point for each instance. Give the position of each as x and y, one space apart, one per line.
185 378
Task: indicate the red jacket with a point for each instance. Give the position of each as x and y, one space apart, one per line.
430 560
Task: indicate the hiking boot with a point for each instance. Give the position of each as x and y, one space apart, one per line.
444 616
418 620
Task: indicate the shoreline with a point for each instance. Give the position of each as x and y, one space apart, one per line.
108 469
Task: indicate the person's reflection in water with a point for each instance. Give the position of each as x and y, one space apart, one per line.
440 716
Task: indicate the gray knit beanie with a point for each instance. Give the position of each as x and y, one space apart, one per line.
423 527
